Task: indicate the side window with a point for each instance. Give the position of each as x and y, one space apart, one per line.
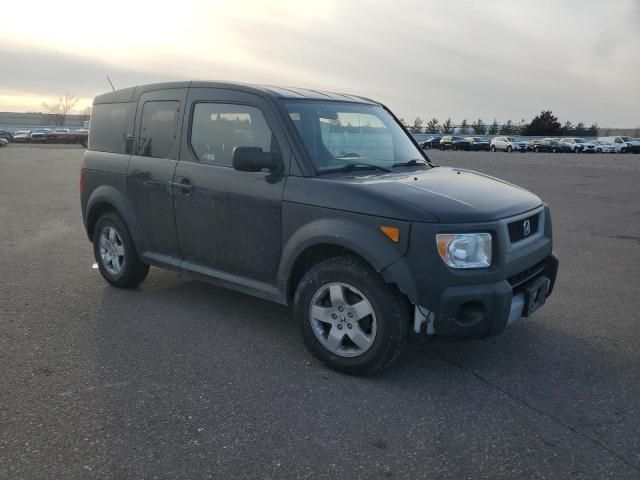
217 129
108 127
158 128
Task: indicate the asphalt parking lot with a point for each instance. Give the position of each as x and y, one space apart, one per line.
180 379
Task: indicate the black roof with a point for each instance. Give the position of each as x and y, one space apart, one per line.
133 93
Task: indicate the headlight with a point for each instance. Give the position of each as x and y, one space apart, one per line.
465 250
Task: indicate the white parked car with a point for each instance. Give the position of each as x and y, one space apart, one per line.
21 136
507 144
3 142
579 145
623 144
602 146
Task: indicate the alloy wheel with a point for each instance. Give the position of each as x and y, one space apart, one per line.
111 250
343 320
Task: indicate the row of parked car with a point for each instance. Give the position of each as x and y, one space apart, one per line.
620 144
45 135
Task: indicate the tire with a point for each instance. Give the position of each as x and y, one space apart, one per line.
350 281
623 150
509 149
123 270
442 147
493 148
599 150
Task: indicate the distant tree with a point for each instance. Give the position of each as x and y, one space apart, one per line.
433 125
448 126
417 125
580 130
403 122
493 129
87 111
567 128
546 123
479 127
522 128
464 126
594 131
508 128
60 108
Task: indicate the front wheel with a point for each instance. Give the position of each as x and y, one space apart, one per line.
599 150
509 149
350 318
493 148
116 254
623 150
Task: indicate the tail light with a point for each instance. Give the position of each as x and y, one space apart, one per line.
81 183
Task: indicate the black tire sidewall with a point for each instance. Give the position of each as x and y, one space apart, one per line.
386 305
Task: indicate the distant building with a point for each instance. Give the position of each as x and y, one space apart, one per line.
14 120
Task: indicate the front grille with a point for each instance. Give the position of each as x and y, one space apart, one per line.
518 230
526 275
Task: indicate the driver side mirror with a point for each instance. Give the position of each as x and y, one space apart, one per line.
253 159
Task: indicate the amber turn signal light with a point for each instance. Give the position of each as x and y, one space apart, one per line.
392 232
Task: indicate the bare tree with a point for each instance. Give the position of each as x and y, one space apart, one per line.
479 127
60 108
433 125
87 111
417 125
448 126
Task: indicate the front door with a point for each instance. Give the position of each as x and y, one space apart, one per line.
229 221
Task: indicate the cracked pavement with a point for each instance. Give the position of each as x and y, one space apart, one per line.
181 379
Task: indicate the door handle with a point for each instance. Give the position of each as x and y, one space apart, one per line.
185 186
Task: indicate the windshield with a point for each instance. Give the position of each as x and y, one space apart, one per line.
579 140
336 134
626 139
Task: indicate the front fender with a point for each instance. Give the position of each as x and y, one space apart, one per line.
306 227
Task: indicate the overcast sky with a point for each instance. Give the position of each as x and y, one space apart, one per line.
501 59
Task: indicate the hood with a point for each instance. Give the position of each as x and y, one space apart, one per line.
456 195
445 195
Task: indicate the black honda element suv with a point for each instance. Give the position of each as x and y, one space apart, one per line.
318 200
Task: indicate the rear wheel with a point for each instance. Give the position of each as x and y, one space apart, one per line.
350 318
115 252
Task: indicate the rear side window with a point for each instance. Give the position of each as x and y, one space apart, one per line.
217 129
158 128
108 127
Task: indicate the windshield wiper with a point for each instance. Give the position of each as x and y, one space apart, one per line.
410 163
349 167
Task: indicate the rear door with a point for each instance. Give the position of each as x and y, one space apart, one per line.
230 221
150 175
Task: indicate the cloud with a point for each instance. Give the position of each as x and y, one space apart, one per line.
463 59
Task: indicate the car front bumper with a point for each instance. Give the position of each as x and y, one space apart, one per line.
477 311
